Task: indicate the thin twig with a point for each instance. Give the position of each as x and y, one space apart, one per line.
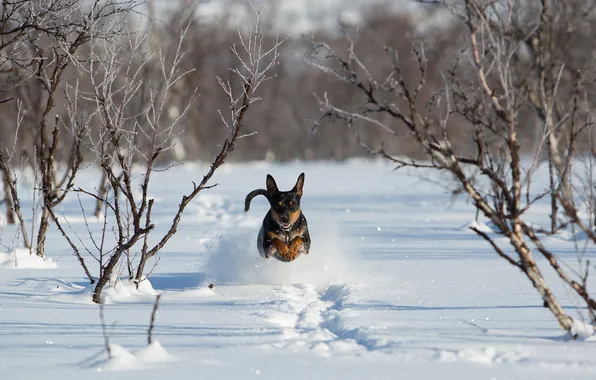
152 321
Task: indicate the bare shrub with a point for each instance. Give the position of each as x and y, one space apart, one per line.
131 89
491 92
40 41
13 203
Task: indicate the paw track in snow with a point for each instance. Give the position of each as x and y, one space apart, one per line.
314 320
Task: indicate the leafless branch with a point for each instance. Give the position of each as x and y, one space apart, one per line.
152 321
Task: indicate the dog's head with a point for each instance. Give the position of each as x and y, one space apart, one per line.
285 205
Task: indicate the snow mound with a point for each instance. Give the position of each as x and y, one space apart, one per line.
582 331
126 291
123 360
22 258
234 259
478 225
154 353
120 359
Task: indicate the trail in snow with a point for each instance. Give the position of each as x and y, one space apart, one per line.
310 292
315 320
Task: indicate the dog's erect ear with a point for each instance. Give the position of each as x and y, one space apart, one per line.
299 185
271 185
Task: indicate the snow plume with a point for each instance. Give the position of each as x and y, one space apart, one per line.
234 259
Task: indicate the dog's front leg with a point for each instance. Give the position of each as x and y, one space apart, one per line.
283 250
297 247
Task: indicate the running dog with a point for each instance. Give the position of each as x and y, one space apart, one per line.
284 232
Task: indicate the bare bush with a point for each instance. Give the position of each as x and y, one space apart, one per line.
491 92
13 203
40 39
135 129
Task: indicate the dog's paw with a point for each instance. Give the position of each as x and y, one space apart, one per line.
289 256
286 253
285 259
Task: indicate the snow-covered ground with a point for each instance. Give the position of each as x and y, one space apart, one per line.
395 287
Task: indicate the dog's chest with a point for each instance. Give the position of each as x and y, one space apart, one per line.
288 236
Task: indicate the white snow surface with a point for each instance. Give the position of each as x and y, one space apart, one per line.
395 286
22 258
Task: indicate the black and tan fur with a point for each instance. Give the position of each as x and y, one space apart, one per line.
284 232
